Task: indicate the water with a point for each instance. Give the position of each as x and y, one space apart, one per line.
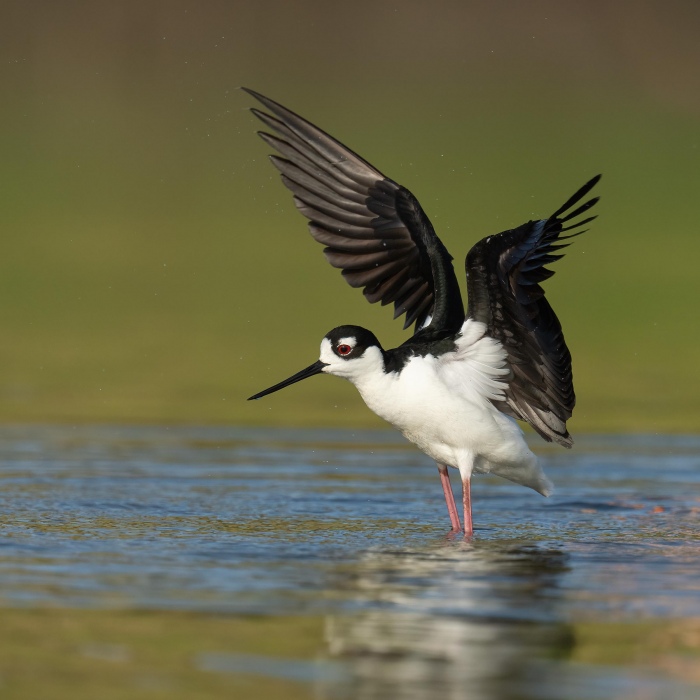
317 564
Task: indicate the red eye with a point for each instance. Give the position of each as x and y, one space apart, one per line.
344 349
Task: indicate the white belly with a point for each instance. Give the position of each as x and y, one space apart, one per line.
456 429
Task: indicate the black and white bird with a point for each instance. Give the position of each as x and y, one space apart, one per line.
456 387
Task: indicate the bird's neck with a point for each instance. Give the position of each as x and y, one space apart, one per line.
372 371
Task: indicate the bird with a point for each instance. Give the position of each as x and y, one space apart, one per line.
458 386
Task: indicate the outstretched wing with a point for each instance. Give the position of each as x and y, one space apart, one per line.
503 276
374 229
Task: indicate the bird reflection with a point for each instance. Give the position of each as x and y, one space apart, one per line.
456 621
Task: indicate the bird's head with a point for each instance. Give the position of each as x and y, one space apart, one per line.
350 352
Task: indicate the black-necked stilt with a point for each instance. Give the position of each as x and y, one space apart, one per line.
455 387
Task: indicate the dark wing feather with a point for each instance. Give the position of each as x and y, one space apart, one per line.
373 229
503 282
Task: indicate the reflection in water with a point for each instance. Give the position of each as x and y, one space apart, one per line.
594 590
454 619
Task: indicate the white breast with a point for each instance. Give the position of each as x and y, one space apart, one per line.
444 405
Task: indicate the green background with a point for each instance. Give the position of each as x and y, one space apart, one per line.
154 268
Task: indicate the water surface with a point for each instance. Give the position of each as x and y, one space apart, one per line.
318 564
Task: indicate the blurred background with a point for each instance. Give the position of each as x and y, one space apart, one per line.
166 536
154 268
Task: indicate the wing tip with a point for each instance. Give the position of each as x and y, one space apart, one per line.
258 96
578 196
564 440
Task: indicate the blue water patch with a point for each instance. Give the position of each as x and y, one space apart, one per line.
260 520
352 526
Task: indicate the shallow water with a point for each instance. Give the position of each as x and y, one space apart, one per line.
339 540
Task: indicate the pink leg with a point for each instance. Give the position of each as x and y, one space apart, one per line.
467 503
449 498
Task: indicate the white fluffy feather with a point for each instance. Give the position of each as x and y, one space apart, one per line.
478 366
444 405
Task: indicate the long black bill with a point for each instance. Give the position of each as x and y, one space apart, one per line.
315 368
